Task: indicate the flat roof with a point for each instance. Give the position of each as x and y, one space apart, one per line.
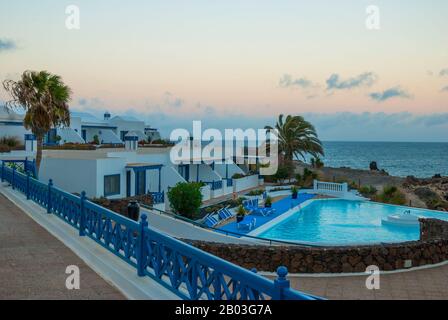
143 164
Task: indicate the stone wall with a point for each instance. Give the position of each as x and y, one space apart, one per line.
298 259
432 229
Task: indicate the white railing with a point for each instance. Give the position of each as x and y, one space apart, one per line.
330 186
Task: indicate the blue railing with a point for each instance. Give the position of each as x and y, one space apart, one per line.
187 271
215 185
21 165
157 197
229 183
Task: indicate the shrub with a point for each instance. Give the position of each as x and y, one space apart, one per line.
317 163
368 191
71 146
392 195
96 140
238 176
10 141
254 193
241 211
162 142
308 177
268 202
186 199
282 173
4 148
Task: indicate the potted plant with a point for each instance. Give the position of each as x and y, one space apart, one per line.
240 214
295 192
268 202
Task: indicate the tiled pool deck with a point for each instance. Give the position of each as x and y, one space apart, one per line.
280 207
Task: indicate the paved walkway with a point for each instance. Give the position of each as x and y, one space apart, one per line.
421 284
33 262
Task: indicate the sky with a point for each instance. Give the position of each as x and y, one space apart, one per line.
242 63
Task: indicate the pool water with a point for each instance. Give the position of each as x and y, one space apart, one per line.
344 222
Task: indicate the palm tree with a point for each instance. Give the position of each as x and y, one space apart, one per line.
296 138
44 97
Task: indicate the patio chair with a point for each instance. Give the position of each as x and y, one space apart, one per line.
252 206
210 221
248 223
224 214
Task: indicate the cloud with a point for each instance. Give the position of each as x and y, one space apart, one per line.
7 45
287 81
444 89
443 72
173 102
396 92
364 79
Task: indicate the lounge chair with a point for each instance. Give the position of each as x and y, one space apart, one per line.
248 223
252 206
210 221
224 214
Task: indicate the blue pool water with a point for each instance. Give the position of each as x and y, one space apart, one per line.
343 222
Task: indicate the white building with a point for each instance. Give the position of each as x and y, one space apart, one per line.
83 128
118 173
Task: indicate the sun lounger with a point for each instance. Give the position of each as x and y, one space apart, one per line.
252 206
223 215
248 223
211 221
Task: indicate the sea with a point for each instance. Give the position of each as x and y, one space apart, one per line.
420 159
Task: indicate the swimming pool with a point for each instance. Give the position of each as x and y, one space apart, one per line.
344 222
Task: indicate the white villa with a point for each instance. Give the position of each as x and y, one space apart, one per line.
118 173
115 172
83 128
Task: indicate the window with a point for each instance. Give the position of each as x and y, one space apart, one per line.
111 185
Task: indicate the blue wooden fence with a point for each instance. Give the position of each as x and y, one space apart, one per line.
190 273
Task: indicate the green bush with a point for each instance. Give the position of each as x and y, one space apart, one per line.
4 148
238 176
11 142
186 199
391 195
368 191
96 140
317 163
254 193
282 173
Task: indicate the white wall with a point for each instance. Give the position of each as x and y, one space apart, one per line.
111 166
13 131
206 193
233 169
245 183
71 175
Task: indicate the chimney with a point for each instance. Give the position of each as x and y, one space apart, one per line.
107 116
30 143
131 141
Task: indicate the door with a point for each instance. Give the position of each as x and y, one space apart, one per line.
128 184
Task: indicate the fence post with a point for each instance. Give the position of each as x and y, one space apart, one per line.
27 185
50 184
82 215
315 185
13 175
281 283
141 248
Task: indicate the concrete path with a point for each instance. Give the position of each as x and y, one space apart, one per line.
426 284
33 262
